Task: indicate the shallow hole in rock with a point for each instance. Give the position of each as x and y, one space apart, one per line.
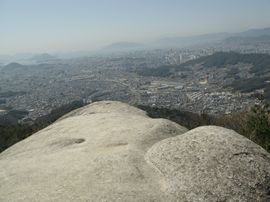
78 141
67 142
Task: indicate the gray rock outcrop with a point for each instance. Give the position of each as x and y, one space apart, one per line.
211 164
110 151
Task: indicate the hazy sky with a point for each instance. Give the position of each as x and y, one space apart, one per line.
72 25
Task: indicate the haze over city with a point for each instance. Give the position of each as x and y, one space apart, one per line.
37 26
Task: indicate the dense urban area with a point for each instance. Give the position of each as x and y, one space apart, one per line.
138 78
214 80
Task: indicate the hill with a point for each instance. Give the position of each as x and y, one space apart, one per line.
260 62
211 38
260 68
13 67
109 151
240 40
255 32
192 40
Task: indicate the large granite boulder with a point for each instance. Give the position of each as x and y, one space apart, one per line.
109 151
211 164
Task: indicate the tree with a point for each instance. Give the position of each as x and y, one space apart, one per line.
258 125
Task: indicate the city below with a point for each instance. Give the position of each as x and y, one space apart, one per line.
160 77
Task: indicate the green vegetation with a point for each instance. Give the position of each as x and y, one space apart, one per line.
10 94
11 132
188 119
162 71
253 124
55 114
260 62
12 116
267 93
253 84
258 125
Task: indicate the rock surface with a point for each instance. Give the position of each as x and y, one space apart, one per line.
211 164
109 151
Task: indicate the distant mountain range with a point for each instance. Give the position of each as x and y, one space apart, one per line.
192 40
254 35
250 36
239 40
258 34
255 32
28 58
